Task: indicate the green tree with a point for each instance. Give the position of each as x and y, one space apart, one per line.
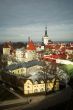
68 69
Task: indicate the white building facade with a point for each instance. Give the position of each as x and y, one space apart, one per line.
45 37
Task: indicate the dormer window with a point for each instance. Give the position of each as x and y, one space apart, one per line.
36 82
42 82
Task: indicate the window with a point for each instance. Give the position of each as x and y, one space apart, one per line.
28 86
36 82
36 90
21 70
42 82
42 89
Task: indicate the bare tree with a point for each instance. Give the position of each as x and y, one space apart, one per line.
45 71
49 69
3 62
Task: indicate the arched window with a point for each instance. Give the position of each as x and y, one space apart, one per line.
36 90
28 86
13 72
42 89
42 82
18 71
36 82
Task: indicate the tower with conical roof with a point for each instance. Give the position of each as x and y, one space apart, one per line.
45 37
30 50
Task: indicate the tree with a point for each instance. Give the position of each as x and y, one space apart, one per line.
3 61
53 71
68 69
49 69
45 71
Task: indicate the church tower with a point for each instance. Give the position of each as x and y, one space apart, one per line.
45 37
30 50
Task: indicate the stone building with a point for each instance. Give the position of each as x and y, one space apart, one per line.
25 68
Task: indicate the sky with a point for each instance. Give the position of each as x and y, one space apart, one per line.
20 19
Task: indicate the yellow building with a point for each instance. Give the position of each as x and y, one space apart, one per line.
19 71
7 48
31 87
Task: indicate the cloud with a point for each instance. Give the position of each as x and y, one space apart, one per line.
55 32
22 18
23 12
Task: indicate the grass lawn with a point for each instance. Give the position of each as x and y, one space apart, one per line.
68 69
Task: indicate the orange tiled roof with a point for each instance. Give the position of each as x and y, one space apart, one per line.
31 45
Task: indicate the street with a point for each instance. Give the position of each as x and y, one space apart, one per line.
38 102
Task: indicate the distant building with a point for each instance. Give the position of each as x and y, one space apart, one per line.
25 68
61 61
69 50
6 49
45 37
30 53
42 44
20 54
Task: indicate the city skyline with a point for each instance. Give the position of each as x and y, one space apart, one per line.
20 19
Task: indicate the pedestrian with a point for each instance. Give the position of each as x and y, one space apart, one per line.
30 100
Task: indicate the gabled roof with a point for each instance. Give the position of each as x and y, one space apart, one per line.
53 57
31 45
24 65
6 45
38 77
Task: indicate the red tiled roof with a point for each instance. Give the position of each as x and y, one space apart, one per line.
62 56
56 47
49 46
70 48
31 46
6 45
50 59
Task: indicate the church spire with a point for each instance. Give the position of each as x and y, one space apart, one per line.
46 31
29 39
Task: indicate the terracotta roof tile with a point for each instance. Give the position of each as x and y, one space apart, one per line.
31 45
